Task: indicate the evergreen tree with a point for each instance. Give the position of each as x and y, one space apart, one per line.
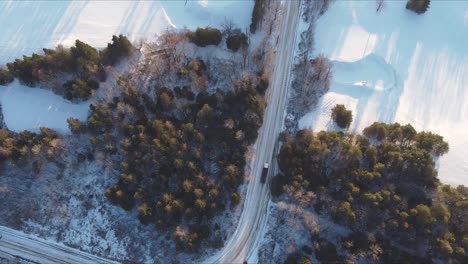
418 6
341 116
5 77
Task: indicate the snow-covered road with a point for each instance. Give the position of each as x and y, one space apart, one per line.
245 239
19 247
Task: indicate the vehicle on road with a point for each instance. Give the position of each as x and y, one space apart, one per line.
264 173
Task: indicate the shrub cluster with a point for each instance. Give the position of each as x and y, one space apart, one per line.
235 41
25 146
203 37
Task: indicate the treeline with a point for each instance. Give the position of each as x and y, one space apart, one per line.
383 186
81 66
181 151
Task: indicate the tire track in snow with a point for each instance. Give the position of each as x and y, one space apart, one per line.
370 87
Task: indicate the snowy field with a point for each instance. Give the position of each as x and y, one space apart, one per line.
33 25
27 108
395 65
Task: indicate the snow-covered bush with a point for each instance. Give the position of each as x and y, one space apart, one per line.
235 41
203 37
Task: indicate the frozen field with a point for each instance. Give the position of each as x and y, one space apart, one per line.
33 25
395 65
29 26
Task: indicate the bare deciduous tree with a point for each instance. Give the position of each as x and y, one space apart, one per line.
227 26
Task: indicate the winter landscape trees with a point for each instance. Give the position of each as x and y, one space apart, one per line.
203 37
257 15
73 72
5 77
179 149
172 130
115 51
381 185
312 78
163 169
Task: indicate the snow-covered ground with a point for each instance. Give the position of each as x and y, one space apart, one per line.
29 26
395 65
26 108
33 25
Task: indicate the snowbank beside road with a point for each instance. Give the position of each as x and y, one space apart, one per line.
27 108
429 58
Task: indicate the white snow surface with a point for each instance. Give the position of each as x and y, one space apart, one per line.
33 25
26 108
29 26
397 66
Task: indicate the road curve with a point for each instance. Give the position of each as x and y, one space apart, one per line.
18 247
253 218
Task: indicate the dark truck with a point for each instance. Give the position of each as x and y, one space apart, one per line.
264 173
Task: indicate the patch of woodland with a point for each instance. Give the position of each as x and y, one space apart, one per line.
26 148
236 41
73 73
383 186
181 150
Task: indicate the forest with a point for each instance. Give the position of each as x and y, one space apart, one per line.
183 156
180 149
383 186
178 145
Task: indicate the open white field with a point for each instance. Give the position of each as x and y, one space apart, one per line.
27 108
397 66
29 26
